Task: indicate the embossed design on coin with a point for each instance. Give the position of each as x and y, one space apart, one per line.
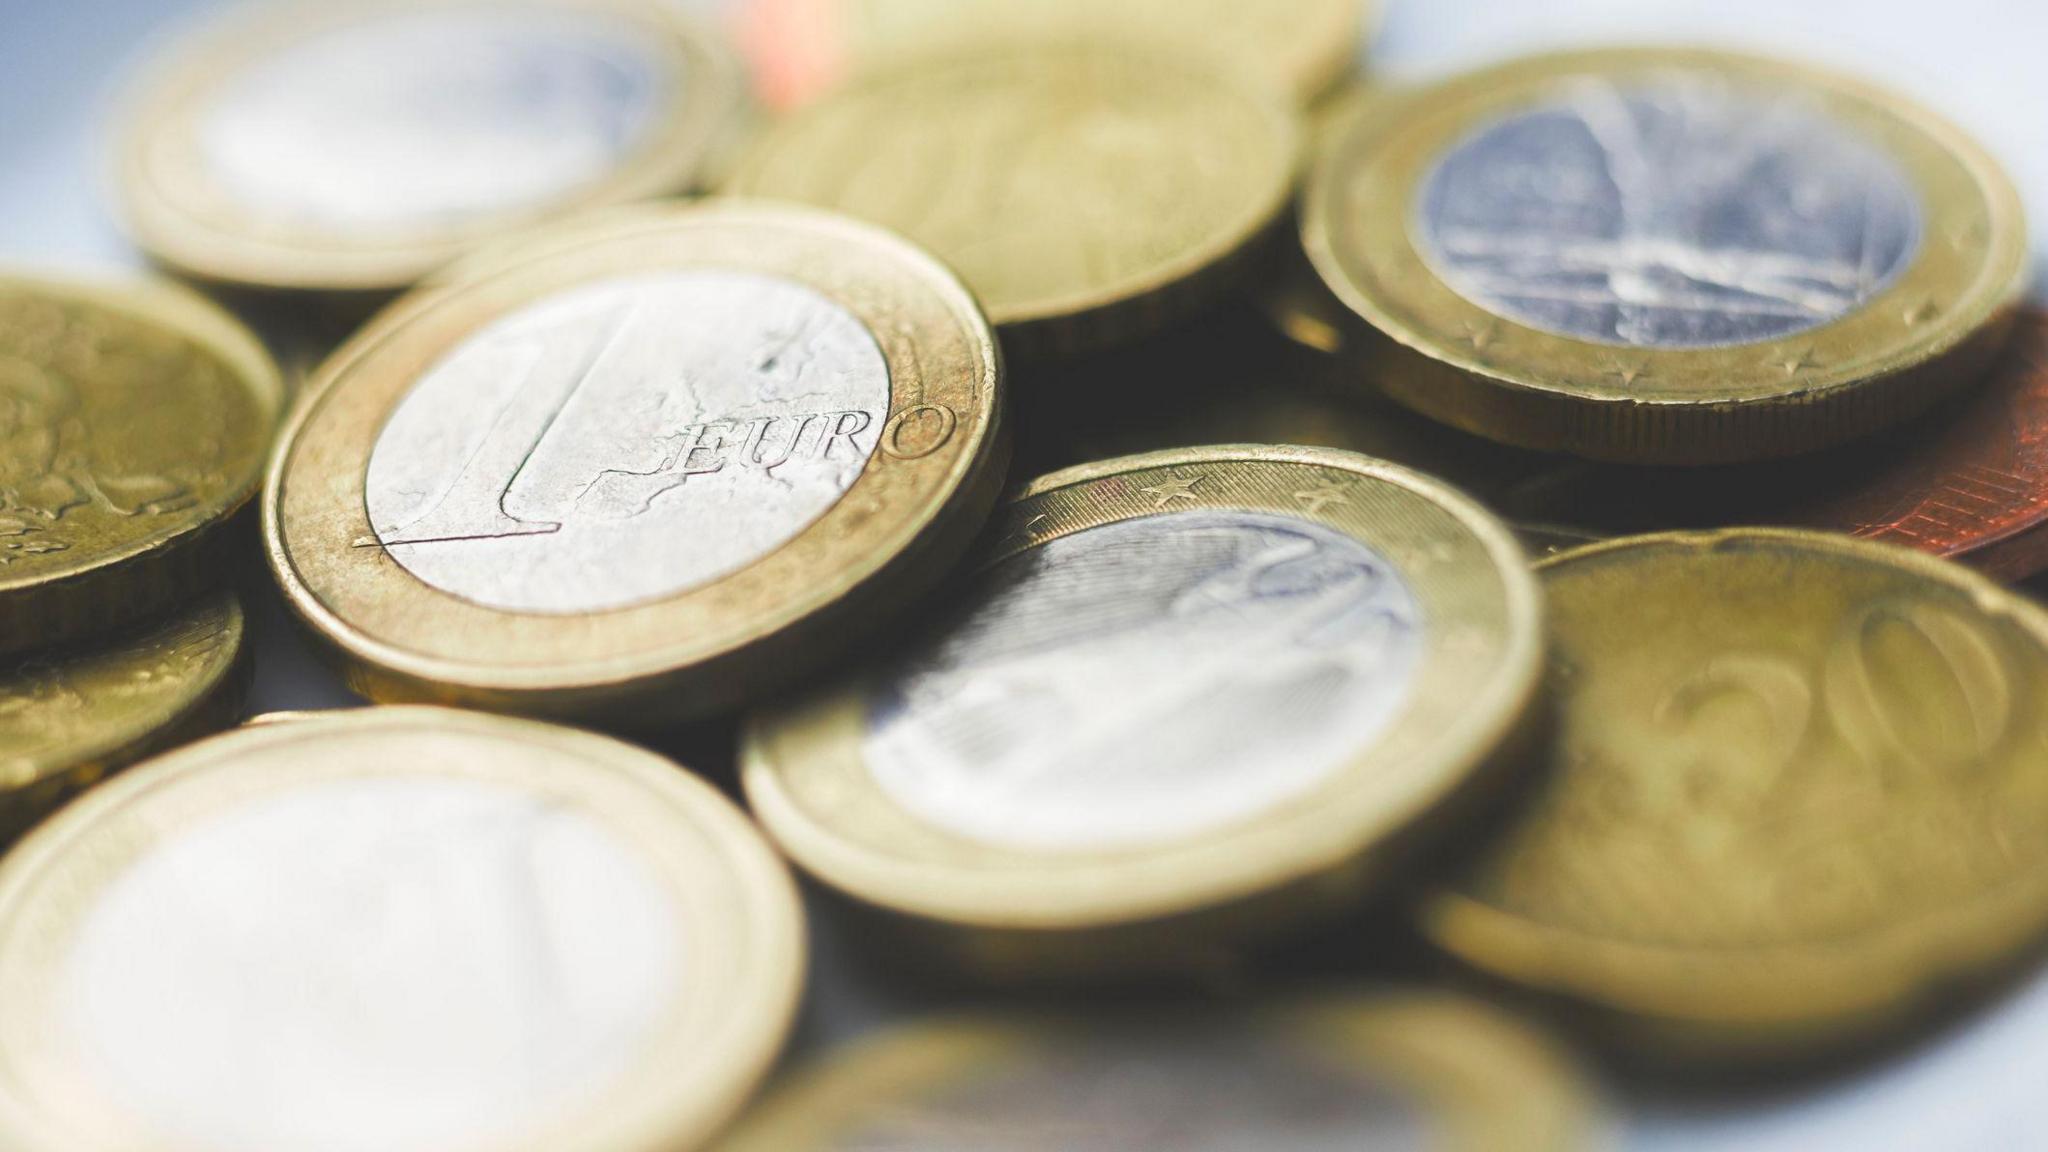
628 440
1149 679
1154 1090
1668 212
330 916
417 120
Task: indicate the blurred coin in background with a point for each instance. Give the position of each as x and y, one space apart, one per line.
1190 696
643 470
1089 194
134 422
803 48
70 716
1667 256
1797 793
1381 1071
392 930
359 146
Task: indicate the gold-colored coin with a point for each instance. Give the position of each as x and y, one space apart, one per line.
643 471
134 422
69 717
1667 256
360 146
404 929
1191 695
1798 790
1088 194
1407 1070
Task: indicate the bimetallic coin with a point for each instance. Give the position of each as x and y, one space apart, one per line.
1187 690
1667 256
1388 1071
134 421
641 471
399 930
1797 792
69 717
1087 193
358 147
801 49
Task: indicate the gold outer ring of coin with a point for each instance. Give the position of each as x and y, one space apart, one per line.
1794 999
70 718
1010 913
92 537
1928 334
1481 1081
178 214
907 517
805 159
705 1069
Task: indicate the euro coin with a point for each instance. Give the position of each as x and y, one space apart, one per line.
1385 1070
70 717
394 929
1667 256
134 422
803 48
641 472
1089 194
1796 793
357 147
1192 697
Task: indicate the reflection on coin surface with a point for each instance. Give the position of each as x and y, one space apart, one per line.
1387 1072
69 716
360 148
1813 796
1665 256
1178 679
1087 194
134 421
595 475
404 929
802 48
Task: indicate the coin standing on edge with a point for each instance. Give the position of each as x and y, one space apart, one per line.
1192 695
70 717
1798 792
801 49
358 147
134 423
643 472
394 929
1667 256
1089 194
1386 1070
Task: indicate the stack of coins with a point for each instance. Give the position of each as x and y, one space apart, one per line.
1136 510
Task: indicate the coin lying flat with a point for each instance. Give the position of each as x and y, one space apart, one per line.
1087 193
69 717
357 147
802 48
1667 256
1798 788
642 471
1365 1071
397 930
134 421
1189 690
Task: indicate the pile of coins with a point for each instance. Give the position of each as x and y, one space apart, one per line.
1149 509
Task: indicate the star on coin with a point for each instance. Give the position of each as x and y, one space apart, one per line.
1794 363
1629 373
1314 500
1179 488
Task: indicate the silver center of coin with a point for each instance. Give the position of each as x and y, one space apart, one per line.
1148 680
1672 213
1178 1090
410 121
398 965
628 440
